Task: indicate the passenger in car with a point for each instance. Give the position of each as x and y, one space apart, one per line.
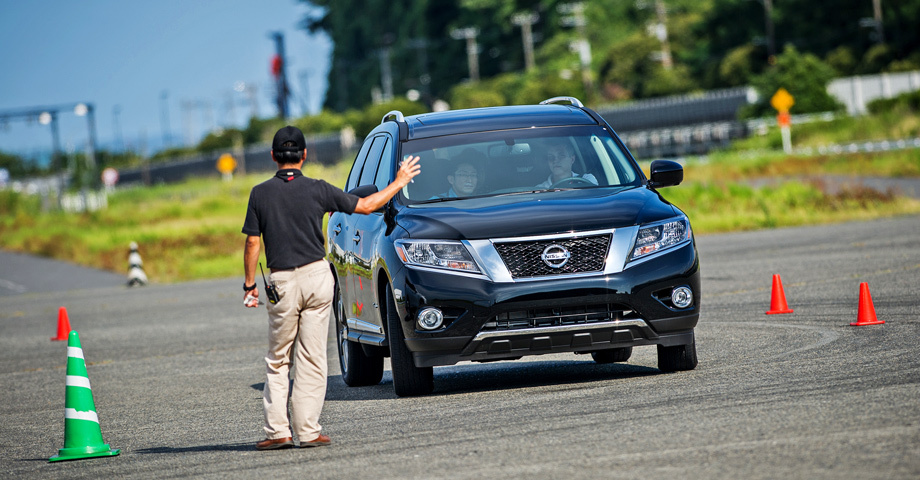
560 156
464 177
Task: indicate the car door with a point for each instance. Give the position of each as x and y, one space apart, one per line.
368 229
341 233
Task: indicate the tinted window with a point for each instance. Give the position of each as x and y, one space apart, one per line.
384 171
373 160
358 166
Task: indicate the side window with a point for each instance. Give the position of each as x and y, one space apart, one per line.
386 166
358 166
373 160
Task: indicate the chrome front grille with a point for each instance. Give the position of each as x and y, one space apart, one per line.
555 317
524 259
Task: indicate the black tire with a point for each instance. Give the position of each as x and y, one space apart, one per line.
358 368
613 355
408 380
677 358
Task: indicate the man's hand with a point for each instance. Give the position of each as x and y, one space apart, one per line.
408 169
251 299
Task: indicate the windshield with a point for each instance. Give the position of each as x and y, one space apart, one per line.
522 160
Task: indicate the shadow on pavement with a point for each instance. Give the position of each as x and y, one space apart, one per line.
494 377
230 447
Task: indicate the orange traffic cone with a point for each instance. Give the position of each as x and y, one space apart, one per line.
778 299
63 325
866 314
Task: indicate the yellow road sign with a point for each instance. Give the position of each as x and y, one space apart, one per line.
782 100
226 164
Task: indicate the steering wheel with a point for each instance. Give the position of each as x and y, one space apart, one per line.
572 181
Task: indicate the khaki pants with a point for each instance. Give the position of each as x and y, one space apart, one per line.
301 316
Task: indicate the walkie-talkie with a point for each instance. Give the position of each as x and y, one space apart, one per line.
270 290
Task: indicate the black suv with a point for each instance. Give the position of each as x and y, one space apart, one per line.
530 230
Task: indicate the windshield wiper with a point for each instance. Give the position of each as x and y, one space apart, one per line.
442 199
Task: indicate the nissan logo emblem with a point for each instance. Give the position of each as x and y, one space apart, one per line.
555 256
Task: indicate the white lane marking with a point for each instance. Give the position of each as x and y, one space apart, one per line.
12 286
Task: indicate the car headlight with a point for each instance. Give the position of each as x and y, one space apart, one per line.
655 238
436 253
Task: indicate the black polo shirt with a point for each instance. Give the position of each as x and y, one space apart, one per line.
287 211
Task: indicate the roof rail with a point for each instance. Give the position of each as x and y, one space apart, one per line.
400 118
574 101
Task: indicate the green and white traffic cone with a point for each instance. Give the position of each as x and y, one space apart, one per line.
82 435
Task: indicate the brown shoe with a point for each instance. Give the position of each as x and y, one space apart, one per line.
275 443
320 441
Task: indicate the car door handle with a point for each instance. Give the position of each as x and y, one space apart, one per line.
357 237
337 229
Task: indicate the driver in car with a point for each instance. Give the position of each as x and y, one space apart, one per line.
560 158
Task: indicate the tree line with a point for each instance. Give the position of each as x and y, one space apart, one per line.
602 51
637 48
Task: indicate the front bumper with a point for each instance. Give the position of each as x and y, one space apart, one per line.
495 321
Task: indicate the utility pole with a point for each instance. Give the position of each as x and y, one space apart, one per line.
386 74
253 94
305 92
424 78
472 49
661 31
119 140
207 115
877 14
875 22
771 42
188 121
277 69
526 21
582 46
229 119
164 119
86 109
55 145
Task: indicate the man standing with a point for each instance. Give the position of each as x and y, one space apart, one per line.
286 211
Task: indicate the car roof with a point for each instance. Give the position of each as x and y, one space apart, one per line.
494 118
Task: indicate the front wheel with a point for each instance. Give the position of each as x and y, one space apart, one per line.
612 355
358 368
677 358
408 380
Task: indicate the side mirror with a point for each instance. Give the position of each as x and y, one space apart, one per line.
665 173
364 190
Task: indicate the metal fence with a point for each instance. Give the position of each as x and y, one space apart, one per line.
711 107
326 149
856 92
681 125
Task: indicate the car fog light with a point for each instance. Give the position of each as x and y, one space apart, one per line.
682 297
430 318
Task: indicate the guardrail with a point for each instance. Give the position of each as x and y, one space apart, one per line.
324 149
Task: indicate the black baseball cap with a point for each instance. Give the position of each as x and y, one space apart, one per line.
289 134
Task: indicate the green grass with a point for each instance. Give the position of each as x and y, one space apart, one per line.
191 230
896 123
727 207
186 231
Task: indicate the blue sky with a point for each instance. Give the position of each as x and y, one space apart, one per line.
122 56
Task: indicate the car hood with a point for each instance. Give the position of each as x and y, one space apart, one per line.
534 213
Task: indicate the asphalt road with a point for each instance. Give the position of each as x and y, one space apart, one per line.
21 273
176 372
